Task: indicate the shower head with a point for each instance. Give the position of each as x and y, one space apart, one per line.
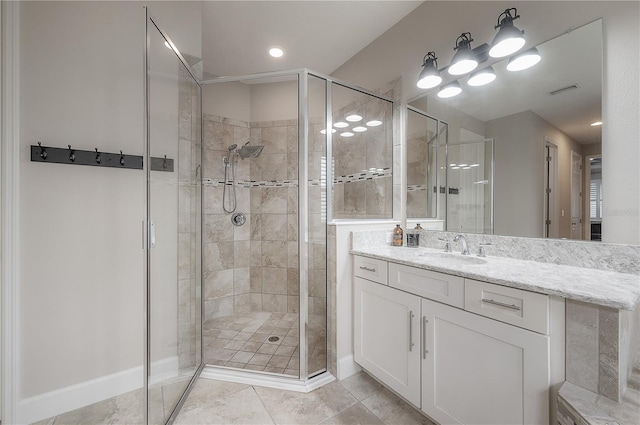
232 147
247 151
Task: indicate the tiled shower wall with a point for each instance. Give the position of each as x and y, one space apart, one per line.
363 164
254 267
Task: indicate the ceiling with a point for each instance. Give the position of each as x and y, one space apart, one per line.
319 35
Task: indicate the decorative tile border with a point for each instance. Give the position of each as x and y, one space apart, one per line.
364 175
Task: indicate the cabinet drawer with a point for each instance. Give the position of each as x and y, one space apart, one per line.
525 309
433 285
370 268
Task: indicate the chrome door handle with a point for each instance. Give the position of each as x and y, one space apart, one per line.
411 344
367 269
499 304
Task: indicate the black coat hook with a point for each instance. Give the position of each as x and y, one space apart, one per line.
121 158
164 162
98 158
72 155
43 152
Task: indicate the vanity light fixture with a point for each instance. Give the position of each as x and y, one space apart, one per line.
524 60
482 77
430 76
509 39
354 118
341 124
464 60
450 90
373 123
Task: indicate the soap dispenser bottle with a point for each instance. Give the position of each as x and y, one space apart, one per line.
398 236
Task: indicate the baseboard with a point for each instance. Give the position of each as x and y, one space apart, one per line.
266 380
347 367
73 397
76 396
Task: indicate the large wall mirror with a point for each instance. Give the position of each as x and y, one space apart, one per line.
536 156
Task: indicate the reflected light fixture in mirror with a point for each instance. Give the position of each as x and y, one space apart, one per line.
430 76
524 60
482 77
450 90
341 124
373 123
354 118
464 60
509 39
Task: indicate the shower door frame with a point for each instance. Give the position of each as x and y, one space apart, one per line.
303 74
148 20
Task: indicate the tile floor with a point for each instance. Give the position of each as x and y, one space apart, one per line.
261 341
355 400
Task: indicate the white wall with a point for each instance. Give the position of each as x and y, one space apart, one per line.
423 30
82 263
519 177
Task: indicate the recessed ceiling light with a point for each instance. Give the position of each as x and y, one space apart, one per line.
354 118
341 124
474 165
466 168
462 165
276 52
594 124
359 129
374 123
323 131
346 134
455 168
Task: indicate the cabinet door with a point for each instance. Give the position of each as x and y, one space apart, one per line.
477 370
387 336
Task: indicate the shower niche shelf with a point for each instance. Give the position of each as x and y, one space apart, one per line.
96 158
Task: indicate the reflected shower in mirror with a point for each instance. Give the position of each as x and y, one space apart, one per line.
553 103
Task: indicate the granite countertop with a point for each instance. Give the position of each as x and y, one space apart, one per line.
600 287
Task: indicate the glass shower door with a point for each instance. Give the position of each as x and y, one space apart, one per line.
174 220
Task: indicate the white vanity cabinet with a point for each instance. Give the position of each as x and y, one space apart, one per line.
387 336
462 350
477 370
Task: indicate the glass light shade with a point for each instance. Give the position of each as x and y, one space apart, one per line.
482 77
341 124
524 60
463 61
354 118
429 77
450 90
374 123
507 41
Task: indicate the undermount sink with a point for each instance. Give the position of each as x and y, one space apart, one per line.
456 258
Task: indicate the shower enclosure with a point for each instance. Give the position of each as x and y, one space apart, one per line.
269 190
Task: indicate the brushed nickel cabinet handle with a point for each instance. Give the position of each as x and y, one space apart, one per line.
411 344
368 269
424 337
499 304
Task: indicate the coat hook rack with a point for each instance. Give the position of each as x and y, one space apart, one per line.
96 158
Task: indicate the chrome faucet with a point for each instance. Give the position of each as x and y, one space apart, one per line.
463 240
